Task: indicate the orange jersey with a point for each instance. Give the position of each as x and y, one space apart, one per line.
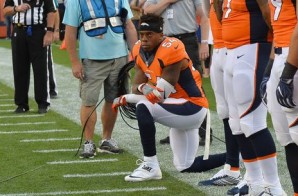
216 28
283 20
243 23
170 51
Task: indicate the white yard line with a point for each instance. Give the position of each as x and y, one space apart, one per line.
90 191
3 95
6 100
96 175
81 161
6 111
29 123
55 150
33 131
23 116
50 139
6 105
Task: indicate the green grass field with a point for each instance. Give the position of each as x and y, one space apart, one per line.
38 151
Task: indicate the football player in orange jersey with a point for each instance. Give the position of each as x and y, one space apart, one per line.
172 96
230 174
246 32
282 85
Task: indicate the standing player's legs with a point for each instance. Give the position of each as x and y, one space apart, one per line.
253 172
249 67
230 174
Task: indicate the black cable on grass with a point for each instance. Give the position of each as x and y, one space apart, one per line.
85 124
21 174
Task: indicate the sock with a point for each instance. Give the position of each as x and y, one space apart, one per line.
264 146
232 147
253 169
292 160
152 159
200 165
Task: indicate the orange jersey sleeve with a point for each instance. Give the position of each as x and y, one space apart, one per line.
171 51
216 28
283 20
243 23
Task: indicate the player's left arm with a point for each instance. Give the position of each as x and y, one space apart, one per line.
264 7
292 56
285 87
139 78
204 47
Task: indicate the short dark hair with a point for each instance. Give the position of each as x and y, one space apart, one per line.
151 22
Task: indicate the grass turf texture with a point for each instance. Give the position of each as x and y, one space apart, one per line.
18 157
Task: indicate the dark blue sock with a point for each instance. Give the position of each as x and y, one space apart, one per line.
232 147
292 160
200 165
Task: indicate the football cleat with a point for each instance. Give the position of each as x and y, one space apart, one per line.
146 171
240 189
224 177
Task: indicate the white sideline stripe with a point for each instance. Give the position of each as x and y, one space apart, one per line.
23 116
161 188
95 175
3 95
20 124
6 99
56 150
34 131
5 105
50 139
81 161
6 111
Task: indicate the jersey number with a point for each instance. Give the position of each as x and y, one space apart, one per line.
277 5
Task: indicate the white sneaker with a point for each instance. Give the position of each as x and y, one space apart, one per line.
146 171
274 191
224 177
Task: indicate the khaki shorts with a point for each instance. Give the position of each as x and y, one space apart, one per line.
97 73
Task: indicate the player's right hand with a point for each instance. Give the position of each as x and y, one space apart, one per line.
263 89
284 93
119 101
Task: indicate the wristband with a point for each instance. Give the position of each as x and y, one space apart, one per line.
204 41
14 9
289 71
140 87
51 29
